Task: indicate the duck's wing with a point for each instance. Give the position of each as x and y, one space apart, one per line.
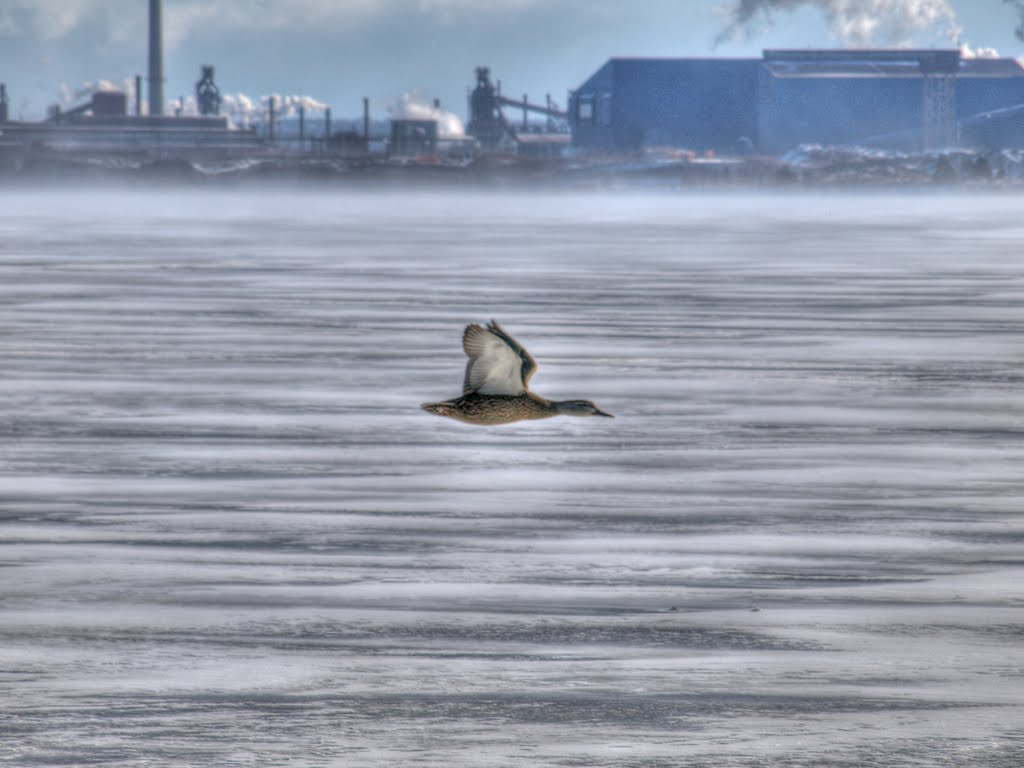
497 365
529 365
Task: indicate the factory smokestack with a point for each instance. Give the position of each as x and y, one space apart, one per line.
156 59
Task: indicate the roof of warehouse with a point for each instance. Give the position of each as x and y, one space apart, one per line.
843 63
967 68
885 63
991 68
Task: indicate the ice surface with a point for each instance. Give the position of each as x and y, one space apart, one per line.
229 536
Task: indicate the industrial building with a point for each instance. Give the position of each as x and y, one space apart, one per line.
907 100
897 99
103 128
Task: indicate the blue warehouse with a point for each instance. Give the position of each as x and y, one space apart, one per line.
900 99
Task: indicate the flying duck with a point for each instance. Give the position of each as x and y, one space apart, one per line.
495 391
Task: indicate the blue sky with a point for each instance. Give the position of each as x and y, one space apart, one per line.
338 51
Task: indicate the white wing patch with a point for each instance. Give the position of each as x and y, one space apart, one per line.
494 368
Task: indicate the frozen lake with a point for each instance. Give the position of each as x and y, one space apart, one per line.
229 536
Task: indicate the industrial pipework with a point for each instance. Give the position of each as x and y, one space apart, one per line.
487 122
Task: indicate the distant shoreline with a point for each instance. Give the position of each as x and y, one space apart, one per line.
811 167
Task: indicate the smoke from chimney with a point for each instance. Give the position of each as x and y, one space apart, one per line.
1019 7
412 106
857 23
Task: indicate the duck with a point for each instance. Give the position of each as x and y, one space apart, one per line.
495 389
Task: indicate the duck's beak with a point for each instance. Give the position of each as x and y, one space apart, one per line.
599 412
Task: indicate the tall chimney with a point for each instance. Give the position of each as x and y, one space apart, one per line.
156 59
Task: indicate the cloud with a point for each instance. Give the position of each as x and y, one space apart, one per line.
57 19
9 26
54 21
45 19
451 11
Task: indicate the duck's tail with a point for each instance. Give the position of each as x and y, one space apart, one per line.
438 409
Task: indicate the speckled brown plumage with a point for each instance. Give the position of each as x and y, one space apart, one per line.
493 409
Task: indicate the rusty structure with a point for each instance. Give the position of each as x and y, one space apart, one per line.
487 121
207 93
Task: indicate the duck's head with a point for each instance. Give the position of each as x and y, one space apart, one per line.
580 408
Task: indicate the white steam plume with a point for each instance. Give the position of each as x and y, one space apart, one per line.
240 108
967 52
857 23
412 106
245 111
71 97
288 106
